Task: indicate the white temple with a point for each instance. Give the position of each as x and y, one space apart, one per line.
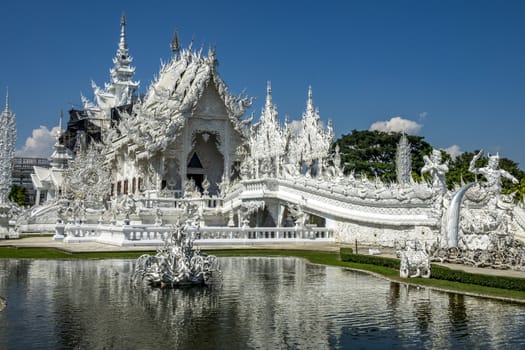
184 149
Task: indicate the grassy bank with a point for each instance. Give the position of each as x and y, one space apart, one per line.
317 257
50 253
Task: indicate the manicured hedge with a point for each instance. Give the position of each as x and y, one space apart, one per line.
347 255
440 272
504 282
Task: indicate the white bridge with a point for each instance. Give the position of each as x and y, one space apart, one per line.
348 213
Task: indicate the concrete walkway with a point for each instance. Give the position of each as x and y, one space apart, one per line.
90 247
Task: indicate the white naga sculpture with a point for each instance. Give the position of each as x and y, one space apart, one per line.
481 231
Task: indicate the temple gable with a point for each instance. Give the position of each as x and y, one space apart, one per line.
211 104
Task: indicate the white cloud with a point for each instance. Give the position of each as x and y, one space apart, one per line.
423 115
295 127
39 144
396 124
454 151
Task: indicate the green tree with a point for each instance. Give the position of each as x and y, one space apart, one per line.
373 153
18 195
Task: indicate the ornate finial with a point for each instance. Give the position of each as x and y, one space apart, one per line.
7 99
268 92
175 43
60 123
212 54
310 102
122 43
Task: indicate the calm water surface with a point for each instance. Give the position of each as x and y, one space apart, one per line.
261 303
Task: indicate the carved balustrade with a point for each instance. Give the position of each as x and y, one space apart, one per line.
155 235
204 202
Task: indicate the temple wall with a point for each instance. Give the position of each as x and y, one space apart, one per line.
381 235
125 173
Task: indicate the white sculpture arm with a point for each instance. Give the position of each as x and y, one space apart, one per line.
428 164
472 166
509 176
443 167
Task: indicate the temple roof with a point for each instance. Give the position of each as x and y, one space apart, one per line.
46 178
174 95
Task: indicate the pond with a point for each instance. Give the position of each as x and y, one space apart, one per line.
260 303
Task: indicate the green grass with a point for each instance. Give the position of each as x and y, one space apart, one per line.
316 257
37 235
50 253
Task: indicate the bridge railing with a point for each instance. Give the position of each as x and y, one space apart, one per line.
134 234
209 202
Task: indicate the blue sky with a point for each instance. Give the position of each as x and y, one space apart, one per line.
455 69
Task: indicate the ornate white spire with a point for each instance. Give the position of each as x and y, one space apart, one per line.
122 86
403 160
122 44
60 157
312 142
7 149
60 123
175 43
268 94
269 113
268 140
7 99
310 101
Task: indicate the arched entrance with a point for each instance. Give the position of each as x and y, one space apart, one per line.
205 160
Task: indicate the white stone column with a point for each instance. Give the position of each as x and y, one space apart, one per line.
37 197
280 215
160 173
226 149
186 144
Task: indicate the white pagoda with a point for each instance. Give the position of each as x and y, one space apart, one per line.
7 150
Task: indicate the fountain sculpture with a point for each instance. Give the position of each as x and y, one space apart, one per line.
177 263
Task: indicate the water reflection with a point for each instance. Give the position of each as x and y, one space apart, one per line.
260 303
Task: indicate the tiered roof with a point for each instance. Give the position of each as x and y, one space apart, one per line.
174 95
